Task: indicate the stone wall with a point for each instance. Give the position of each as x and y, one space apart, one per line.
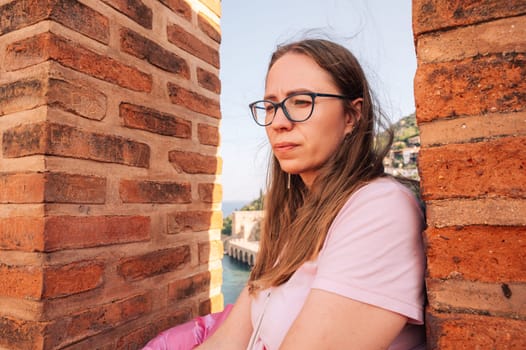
109 200
247 224
470 92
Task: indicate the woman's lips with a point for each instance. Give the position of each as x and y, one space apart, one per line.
284 146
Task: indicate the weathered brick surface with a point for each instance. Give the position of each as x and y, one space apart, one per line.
481 169
477 253
143 48
210 251
66 232
63 140
21 281
461 331
21 334
208 80
495 299
504 35
21 95
23 233
189 286
154 263
180 7
210 193
148 119
72 188
48 46
472 128
195 163
191 44
70 13
209 27
132 191
139 337
484 211
136 10
73 278
22 187
72 328
193 101
194 221
82 100
208 135
431 15
493 83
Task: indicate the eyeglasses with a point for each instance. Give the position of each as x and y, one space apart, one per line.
297 107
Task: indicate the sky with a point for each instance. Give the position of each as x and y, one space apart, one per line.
378 32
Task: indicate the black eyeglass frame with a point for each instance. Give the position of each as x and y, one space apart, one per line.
281 105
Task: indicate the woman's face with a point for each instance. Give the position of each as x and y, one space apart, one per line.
303 147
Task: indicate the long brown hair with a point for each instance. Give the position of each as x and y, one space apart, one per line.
297 220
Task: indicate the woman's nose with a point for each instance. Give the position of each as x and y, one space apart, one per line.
280 120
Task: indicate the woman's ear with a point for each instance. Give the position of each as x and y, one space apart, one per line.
353 115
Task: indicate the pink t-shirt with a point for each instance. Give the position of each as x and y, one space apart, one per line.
373 253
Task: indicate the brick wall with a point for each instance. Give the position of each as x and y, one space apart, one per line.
470 92
109 199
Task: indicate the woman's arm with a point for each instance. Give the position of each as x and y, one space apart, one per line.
332 321
235 331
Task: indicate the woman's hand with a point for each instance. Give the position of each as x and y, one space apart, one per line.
331 321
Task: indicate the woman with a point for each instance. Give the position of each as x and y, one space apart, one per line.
341 261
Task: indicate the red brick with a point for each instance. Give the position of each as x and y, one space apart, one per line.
180 7
467 332
132 191
210 192
190 286
145 49
178 36
210 251
477 253
503 35
208 135
21 281
493 83
67 141
23 233
73 278
208 80
503 299
431 15
482 211
193 101
21 95
72 188
472 128
65 232
70 13
482 169
22 187
82 100
74 327
194 163
147 119
21 334
154 263
48 46
136 10
209 27
194 221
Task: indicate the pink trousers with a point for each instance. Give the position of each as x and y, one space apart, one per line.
190 334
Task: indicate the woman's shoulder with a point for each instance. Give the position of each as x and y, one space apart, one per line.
386 188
